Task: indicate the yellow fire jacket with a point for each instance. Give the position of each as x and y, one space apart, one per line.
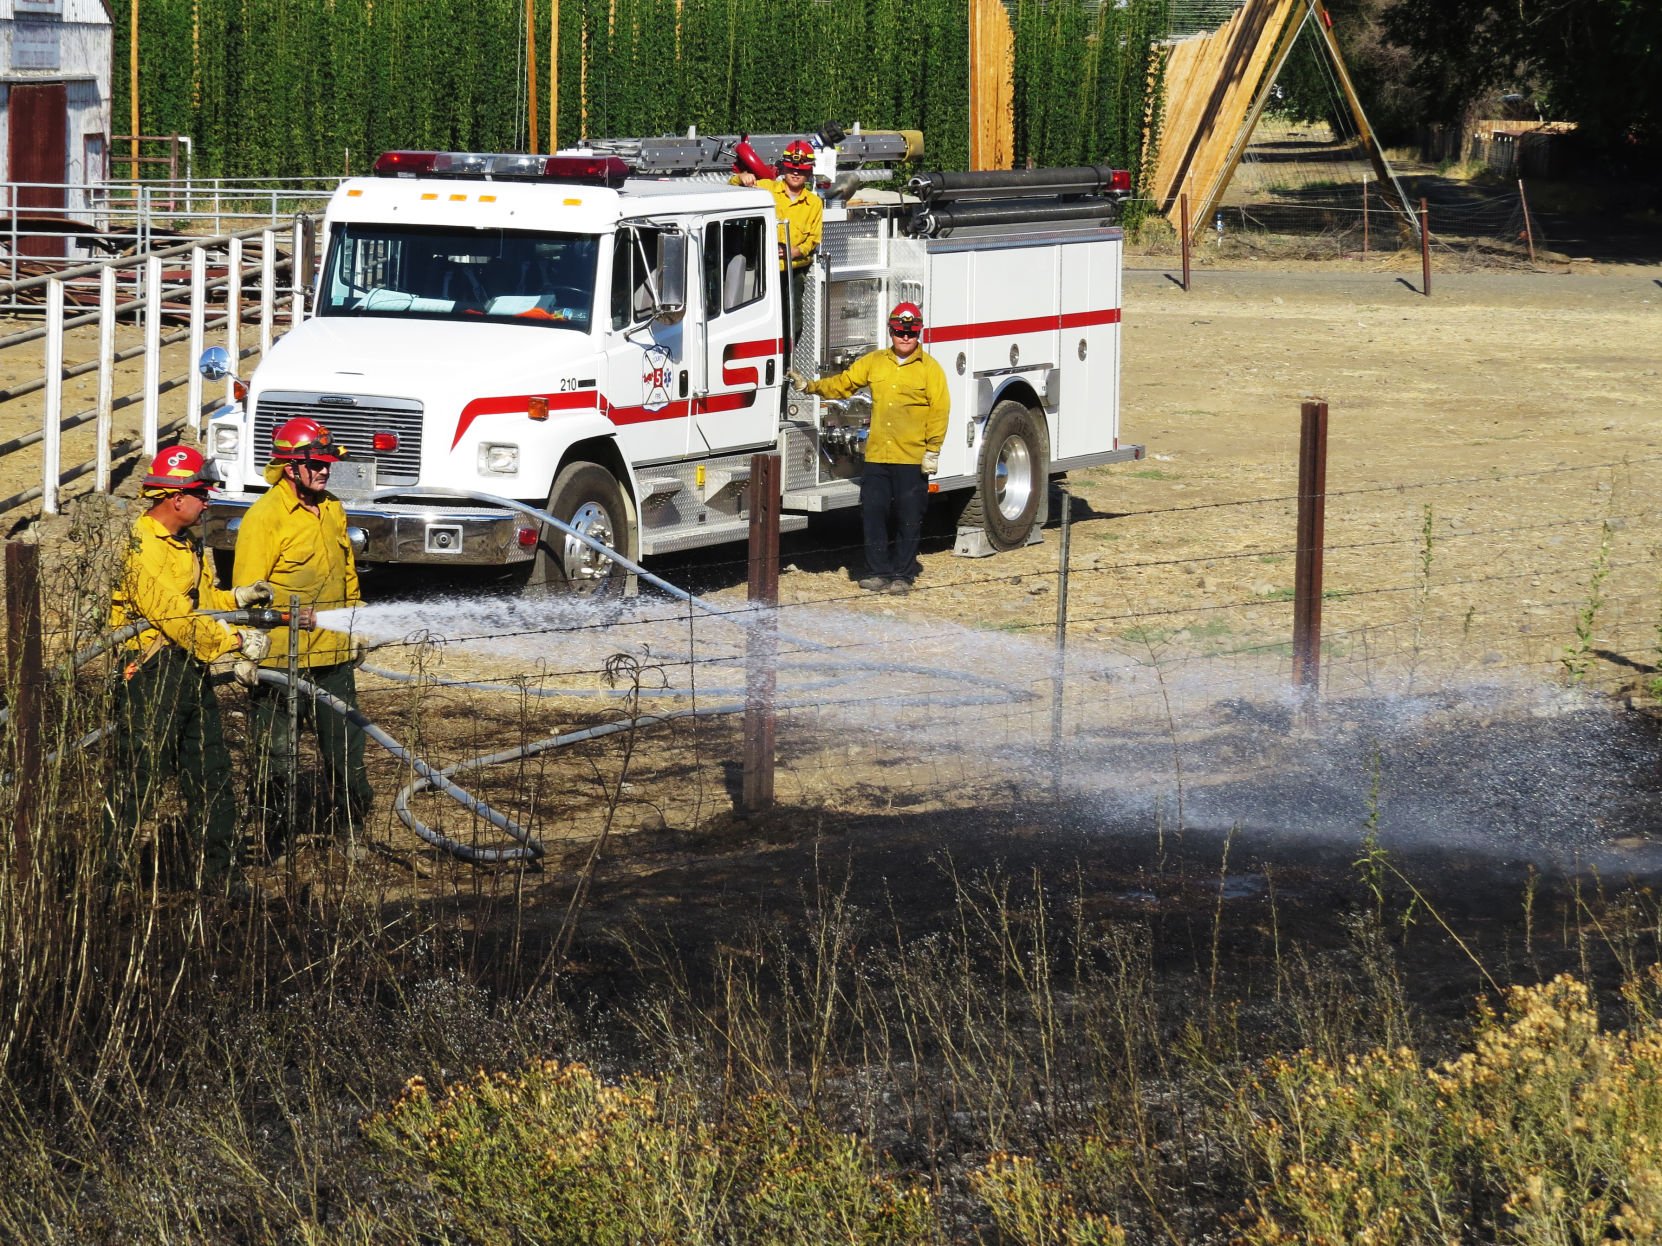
299 552
802 218
166 580
909 403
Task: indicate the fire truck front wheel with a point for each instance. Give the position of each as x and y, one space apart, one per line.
1011 477
589 498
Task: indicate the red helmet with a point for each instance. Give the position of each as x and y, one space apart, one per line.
907 316
179 468
798 158
302 439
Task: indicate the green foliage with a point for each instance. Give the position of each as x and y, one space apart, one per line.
1578 654
305 88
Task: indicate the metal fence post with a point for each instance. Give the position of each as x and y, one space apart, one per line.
292 760
1307 573
762 636
152 353
1058 680
233 316
268 288
52 420
198 330
300 269
107 299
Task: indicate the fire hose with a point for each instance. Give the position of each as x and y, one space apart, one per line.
527 847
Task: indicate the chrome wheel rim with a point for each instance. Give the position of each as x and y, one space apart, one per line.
581 562
1013 478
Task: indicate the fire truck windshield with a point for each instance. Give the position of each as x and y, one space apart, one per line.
542 279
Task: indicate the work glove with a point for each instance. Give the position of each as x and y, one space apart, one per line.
255 643
359 651
259 593
931 462
245 671
797 380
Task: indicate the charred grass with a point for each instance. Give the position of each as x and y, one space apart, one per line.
1013 1020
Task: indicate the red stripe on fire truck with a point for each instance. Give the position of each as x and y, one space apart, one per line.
1032 324
735 351
510 403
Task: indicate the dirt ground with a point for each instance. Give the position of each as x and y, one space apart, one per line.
1494 452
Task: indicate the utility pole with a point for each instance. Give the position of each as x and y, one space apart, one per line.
554 75
531 69
133 82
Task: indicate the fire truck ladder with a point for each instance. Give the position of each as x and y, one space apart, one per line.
713 153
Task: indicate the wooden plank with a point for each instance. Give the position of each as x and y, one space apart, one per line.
1211 82
991 86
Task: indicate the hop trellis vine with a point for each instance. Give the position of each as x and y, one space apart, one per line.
317 87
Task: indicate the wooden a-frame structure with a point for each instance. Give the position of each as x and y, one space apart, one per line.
1217 86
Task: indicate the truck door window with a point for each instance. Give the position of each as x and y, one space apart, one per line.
634 259
493 275
733 269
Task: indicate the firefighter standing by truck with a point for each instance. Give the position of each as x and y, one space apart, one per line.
295 537
909 409
167 718
801 225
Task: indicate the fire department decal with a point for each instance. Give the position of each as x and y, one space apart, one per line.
655 374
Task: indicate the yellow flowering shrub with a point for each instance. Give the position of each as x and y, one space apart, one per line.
555 1154
1547 1131
1033 1211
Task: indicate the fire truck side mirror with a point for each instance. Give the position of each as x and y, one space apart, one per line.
671 277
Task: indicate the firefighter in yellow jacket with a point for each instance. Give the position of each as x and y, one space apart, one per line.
295 538
801 222
167 719
909 408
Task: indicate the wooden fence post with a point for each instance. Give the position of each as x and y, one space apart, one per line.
1307 572
1425 250
1183 215
762 635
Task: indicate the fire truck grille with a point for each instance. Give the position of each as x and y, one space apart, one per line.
352 421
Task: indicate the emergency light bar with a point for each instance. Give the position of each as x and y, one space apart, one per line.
593 170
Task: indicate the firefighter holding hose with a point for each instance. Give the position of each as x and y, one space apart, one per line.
295 537
801 220
166 716
909 409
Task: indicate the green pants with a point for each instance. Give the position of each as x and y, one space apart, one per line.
167 726
340 745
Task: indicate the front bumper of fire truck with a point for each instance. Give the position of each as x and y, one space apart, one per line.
462 534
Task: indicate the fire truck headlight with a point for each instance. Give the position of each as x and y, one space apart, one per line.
499 459
227 440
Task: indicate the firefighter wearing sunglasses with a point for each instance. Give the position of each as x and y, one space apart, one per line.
295 536
166 716
909 408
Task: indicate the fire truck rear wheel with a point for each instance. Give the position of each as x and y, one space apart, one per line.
589 498
1011 478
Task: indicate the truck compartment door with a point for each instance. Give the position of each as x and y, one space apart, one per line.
743 336
1087 420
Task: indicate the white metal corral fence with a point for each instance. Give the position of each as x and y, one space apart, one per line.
148 291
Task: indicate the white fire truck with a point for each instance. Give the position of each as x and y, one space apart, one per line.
600 332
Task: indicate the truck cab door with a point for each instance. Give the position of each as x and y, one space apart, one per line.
648 385
743 350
